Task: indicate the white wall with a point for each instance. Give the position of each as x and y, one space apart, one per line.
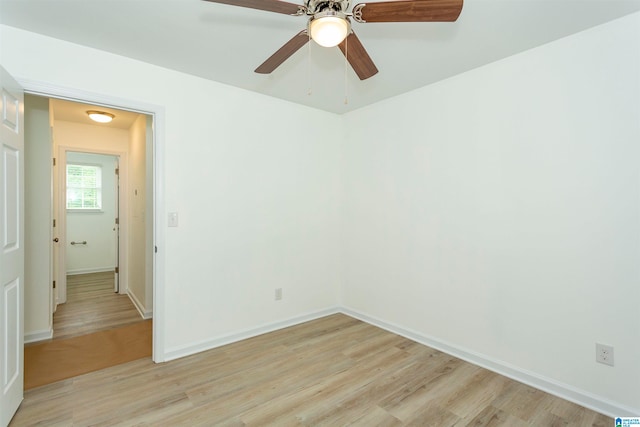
137 204
37 292
90 137
498 212
254 181
96 228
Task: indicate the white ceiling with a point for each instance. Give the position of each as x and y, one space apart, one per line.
226 43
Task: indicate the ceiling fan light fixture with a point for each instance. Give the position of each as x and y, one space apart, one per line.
100 116
329 28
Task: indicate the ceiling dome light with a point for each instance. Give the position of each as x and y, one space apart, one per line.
329 28
100 116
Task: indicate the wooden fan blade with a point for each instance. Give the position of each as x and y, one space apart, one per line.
408 11
289 48
358 57
268 5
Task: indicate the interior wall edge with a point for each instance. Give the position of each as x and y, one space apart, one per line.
548 385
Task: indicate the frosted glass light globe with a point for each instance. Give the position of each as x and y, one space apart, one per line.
100 116
329 31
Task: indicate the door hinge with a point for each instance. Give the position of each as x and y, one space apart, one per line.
54 222
117 220
54 284
117 271
54 161
156 248
117 171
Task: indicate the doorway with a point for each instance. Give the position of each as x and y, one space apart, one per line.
93 253
129 137
48 90
91 193
92 210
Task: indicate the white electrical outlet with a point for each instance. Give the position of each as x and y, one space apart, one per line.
278 294
604 354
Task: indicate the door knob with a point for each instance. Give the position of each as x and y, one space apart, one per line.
56 240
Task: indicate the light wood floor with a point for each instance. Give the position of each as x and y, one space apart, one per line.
333 371
92 306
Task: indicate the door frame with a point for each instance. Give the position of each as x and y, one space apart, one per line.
158 113
123 251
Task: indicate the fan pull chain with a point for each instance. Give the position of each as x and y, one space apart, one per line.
346 66
310 90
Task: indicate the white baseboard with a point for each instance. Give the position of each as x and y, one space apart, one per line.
564 391
43 335
89 270
181 351
146 314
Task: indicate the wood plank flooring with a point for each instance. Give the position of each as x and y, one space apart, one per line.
332 371
56 360
92 306
96 328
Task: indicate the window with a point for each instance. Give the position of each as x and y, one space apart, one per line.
84 186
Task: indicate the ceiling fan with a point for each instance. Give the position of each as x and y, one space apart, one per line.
330 24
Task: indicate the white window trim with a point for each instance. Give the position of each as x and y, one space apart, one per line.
84 210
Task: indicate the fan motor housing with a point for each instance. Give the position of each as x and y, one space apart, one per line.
316 6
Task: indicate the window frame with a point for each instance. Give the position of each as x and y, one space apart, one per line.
99 187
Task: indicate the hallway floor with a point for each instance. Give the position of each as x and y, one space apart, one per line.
92 306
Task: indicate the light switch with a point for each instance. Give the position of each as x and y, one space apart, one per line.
173 219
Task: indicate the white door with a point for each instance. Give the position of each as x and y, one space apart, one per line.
12 251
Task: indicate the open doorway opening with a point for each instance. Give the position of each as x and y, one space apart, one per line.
91 226
100 224
92 209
